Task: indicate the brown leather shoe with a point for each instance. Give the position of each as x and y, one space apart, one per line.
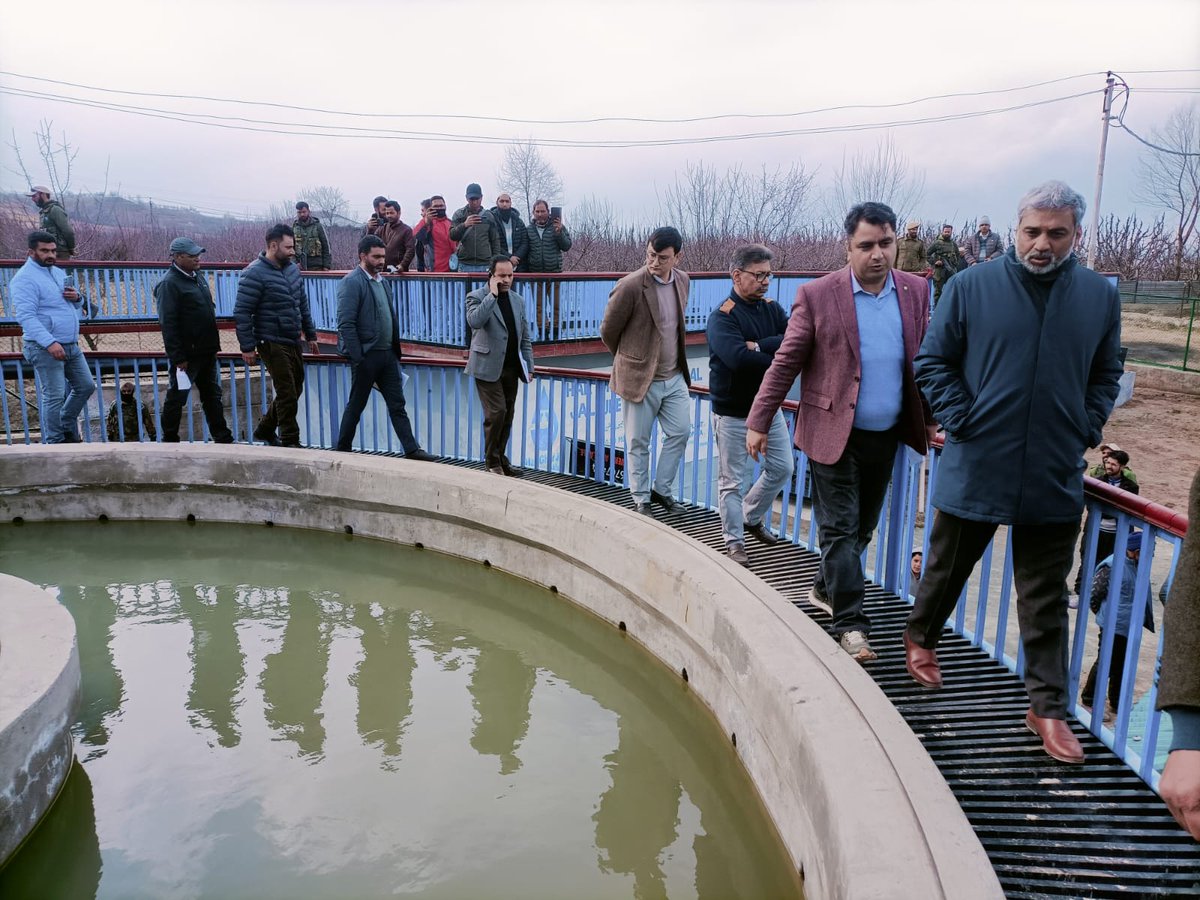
922 664
1057 739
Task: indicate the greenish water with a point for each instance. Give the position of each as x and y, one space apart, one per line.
276 713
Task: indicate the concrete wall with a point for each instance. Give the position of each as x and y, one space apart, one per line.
39 695
858 803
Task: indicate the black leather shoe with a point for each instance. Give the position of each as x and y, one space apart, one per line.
270 438
760 532
420 456
510 470
643 508
662 500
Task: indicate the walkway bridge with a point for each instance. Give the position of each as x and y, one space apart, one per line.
1097 830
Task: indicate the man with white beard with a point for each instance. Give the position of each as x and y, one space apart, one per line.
1020 367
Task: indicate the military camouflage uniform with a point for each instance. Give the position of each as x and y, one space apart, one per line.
130 408
946 250
55 221
910 255
312 246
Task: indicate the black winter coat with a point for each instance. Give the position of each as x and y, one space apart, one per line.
187 316
272 306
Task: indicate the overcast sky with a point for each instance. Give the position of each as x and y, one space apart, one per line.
574 59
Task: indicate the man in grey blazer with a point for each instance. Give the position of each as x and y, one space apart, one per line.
501 355
369 334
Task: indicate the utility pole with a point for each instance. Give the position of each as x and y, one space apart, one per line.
1094 228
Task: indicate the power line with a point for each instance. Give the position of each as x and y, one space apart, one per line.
302 129
521 121
1120 123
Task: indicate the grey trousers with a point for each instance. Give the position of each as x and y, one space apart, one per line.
1041 560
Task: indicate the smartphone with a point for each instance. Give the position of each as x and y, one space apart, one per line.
555 213
69 283
439 214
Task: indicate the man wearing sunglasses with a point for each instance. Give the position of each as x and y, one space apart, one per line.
743 334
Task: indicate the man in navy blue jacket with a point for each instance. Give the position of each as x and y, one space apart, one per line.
272 318
743 334
369 334
1020 363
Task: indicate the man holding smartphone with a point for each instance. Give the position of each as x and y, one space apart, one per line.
501 356
477 233
47 310
434 246
548 241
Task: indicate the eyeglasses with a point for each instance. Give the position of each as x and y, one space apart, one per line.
760 277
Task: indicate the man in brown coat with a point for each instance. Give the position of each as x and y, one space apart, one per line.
643 327
851 338
1179 691
397 239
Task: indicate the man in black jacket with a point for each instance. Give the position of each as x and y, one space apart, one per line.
189 330
369 334
743 334
272 318
513 236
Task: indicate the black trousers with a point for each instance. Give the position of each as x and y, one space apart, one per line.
206 376
377 367
847 499
1106 541
499 399
1116 672
286 367
1041 560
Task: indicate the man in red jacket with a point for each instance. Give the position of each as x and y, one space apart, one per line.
852 336
434 246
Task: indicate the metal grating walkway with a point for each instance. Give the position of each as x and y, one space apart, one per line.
1050 830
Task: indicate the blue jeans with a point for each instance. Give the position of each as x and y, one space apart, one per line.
669 404
60 409
735 468
472 267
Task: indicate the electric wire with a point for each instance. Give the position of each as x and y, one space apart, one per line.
351 132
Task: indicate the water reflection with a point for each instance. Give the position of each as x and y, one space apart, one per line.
218 663
325 718
501 690
293 680
383 678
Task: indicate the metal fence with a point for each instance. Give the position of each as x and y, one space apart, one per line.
569 422
1159 322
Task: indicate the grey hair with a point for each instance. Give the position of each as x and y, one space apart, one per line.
749 254
1053 195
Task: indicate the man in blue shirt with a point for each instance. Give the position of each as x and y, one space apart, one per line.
47 311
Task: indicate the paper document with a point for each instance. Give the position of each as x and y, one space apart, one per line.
182 381
525 374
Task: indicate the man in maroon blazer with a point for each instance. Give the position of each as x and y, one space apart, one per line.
852 336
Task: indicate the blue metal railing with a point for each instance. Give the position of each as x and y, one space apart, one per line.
569 422
430 308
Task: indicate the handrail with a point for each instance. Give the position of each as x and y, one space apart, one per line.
1153 513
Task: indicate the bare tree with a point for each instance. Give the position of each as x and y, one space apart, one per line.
716 211
329 203
1168 177
57 159
883 175
528 175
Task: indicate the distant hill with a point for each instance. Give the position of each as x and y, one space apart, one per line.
113 211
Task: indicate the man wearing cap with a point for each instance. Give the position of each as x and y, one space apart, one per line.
1112 471
189 329
55 221
312 244
1101 580
983 245
944 259
910 250
477 232
45 307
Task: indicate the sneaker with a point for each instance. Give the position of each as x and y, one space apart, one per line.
737 552
818 599
855 643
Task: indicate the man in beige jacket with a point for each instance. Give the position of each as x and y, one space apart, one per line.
643 327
